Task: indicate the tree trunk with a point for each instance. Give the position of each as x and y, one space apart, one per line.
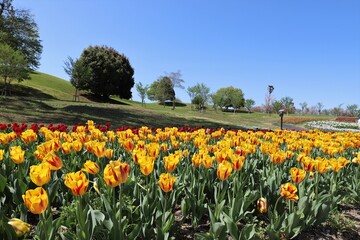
173 108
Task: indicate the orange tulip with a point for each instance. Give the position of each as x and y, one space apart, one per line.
297 174
77 183
288 191
224 170
40 174
166 182
36 200
19 226
262 205
116 172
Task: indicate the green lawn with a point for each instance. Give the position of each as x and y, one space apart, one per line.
47 99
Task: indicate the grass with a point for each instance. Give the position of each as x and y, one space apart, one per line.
47 99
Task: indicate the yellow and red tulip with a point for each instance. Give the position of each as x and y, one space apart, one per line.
288 191
36 200
116 172
166 182
77 183
40 174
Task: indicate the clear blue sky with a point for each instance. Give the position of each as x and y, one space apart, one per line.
308 50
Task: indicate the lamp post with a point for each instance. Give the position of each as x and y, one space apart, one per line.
281 114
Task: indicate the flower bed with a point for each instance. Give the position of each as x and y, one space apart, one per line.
92 182
346 119
334 126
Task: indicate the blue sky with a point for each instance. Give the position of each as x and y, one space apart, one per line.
308 50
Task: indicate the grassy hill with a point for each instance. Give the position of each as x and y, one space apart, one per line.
48 99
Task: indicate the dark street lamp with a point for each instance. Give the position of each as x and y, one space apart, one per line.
281 114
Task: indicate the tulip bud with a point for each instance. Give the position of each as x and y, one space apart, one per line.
19 226
262 205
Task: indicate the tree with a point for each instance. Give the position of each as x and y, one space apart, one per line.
110 72
229 97
142 91
319 107
176 81
19 30
199 95
78 72
12 66
337 111
249 103
303 107
161 90
215 99
268 99
277 105
352 109
288 104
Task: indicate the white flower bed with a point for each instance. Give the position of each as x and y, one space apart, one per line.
334 126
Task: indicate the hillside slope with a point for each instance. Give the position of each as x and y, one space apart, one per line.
48 99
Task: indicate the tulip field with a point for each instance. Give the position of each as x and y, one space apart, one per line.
93 182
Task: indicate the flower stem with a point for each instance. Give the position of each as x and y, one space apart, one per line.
120 209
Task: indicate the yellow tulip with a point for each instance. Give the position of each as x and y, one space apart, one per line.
77 145
152 149
66 147
207 160
297 174
338 164
356 159
28 136
321 165
128 144
17 154
36 200
91 167
109 153
170 162
146 164
196 160
19 226
288 191
237 161
40 174
2 152
98 148
77 183
166 182
116 172
224 170
53 160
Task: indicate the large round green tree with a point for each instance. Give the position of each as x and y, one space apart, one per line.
110 72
